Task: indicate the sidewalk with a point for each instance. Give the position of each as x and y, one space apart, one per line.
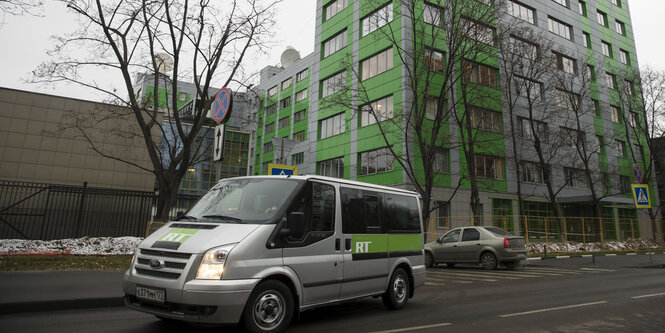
34 291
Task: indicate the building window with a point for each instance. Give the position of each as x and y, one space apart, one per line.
489 166
285 102
377 19
607 48
586 40
620 27
301 95
335 7
284 122
377 64
331 168
572 138
334 44
531 172
299 136
485 119
331 126
333 84
615 114
270 128
441 160
297 159
602 18
299 116
271 109
611 80
286 83
264 167
565 63
433 14
632 119
582 8
477 31
621 149
590 73
375 161
596 107
481 74
267 147
624 184
624 57
639 154
528 88
383 109
526 131
562 29
272 91
523 48
521 11
575 178
616 3
601 144
431 107
562 2
628 87
567 99
302 75
434 60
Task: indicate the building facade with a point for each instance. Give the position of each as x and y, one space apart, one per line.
311 114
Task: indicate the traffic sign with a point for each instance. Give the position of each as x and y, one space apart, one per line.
280 169
641 195
638 173
222 106
218 147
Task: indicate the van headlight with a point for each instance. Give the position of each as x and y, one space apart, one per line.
212 265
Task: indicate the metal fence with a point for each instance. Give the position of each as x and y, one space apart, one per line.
564 234
48 211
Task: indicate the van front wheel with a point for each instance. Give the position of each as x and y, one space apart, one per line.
269 308
397 294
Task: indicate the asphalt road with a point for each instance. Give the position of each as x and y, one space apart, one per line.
542 297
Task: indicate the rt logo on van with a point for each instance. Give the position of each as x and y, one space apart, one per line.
362 247
178 235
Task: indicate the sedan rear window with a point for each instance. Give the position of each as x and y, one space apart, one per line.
497 231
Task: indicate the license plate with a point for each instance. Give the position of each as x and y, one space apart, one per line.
151 294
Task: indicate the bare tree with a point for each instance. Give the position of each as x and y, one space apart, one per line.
170 41
445 40
19 7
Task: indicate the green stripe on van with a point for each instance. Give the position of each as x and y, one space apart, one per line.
405 242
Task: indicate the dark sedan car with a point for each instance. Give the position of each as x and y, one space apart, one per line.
488 246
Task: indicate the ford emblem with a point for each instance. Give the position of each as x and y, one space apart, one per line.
154 263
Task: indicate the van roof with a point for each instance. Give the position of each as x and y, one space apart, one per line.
337 180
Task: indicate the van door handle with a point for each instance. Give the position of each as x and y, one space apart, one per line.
347 244
337 244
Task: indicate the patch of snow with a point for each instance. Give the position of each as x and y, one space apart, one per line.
572 247
80 246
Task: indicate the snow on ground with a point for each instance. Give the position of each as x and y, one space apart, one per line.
126 245
81 246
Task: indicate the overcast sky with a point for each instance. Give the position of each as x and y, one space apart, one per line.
26 39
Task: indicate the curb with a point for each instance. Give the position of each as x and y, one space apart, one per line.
591 255
57 305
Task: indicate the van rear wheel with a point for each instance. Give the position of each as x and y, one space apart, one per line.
269 308
397 294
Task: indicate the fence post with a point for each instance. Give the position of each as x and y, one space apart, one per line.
602 236
632 232
584 235
42 234
80 210
547 234
565 233
526 229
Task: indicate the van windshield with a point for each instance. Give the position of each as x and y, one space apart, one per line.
243 200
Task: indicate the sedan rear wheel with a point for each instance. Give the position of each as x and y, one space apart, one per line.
488 261
429 261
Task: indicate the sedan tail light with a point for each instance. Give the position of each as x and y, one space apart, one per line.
506 243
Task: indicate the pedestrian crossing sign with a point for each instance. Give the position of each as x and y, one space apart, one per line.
284 170
641 195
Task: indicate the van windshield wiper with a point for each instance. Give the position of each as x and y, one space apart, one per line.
223 217
186 217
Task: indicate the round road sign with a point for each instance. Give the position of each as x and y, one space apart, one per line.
638 173
222 106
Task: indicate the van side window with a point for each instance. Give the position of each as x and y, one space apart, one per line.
401 214
317 202
361 211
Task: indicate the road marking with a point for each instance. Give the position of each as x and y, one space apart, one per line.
551 309
464 276
597 269
555 271
650 295
434 284
414 328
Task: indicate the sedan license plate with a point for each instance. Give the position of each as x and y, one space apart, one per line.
151 294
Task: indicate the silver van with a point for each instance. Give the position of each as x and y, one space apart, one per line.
259 250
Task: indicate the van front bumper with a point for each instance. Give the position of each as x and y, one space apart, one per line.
200 301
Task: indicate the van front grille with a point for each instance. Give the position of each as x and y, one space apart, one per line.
171 264
161 274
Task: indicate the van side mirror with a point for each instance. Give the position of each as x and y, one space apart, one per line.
295 225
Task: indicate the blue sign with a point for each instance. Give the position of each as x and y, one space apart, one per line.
222 106
284 170
641 195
